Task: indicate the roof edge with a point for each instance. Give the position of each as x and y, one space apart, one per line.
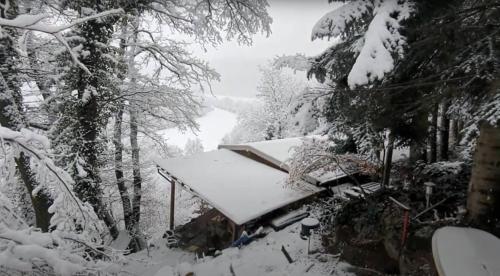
257 152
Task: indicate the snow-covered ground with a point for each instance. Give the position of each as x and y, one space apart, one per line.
213 127
261 257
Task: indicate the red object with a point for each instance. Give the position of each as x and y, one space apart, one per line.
406 220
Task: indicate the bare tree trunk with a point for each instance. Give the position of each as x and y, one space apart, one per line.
460 126
388 160
137 180
433 135
136 242
41 201
444 132
418 145
483 201
118 143
120 180
423 153
454 139
415 152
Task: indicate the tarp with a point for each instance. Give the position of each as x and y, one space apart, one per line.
239 187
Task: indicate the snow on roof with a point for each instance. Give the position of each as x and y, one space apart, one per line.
322 176
280 151
276 151
239 187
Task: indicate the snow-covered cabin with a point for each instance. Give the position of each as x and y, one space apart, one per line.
242 182
278 153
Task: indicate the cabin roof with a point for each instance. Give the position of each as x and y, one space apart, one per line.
276 151
239 187
279 152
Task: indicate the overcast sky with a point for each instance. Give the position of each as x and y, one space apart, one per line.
291 33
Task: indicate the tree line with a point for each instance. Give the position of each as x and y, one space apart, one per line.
417 74
95 64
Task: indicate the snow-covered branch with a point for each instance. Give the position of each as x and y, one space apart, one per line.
298 62
207 20
26 250
173 58
317 156
34 23
374 30
342 20
66 204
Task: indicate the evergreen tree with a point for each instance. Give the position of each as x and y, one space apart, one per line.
430 58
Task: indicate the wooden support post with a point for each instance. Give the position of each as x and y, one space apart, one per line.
171 180
172 204
406 220
234 230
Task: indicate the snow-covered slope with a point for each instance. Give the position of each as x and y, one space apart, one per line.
213 127
261 257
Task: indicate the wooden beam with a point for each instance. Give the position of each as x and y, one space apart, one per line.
171 179
406 208
172 204
233 229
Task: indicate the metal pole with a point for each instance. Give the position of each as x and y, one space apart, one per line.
308 244
172 204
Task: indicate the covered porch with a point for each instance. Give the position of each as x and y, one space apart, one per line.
241 190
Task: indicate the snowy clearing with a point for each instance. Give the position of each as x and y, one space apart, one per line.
261 257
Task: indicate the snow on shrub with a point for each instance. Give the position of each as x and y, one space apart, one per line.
76 237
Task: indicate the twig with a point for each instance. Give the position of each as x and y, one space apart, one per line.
369 270
287 256
400 204
231 269
10 239
89 246
356 182
38 126
428 209
334 270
